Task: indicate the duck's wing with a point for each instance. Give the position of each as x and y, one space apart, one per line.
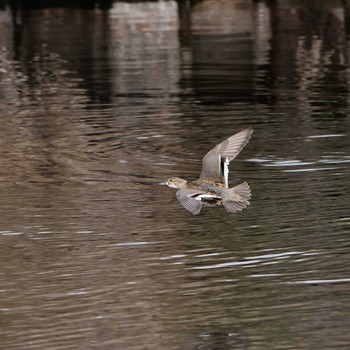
188 201
215 162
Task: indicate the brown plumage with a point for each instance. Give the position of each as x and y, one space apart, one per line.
211 188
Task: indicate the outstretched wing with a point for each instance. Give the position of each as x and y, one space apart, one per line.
215 162
188 201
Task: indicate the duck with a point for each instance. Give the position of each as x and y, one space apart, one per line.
211 189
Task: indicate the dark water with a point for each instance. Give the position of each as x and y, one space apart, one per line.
98 106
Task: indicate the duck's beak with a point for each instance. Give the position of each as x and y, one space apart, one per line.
162 183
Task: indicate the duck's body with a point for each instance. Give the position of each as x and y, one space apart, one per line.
211 188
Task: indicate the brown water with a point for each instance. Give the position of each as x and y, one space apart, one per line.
99 106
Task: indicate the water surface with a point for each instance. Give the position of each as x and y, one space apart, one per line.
98 106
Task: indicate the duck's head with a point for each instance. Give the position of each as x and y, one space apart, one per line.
174 182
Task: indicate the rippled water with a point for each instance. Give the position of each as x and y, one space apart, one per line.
98 106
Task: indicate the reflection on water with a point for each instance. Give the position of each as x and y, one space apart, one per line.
98 106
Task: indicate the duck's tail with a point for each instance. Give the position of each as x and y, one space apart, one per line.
236 198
